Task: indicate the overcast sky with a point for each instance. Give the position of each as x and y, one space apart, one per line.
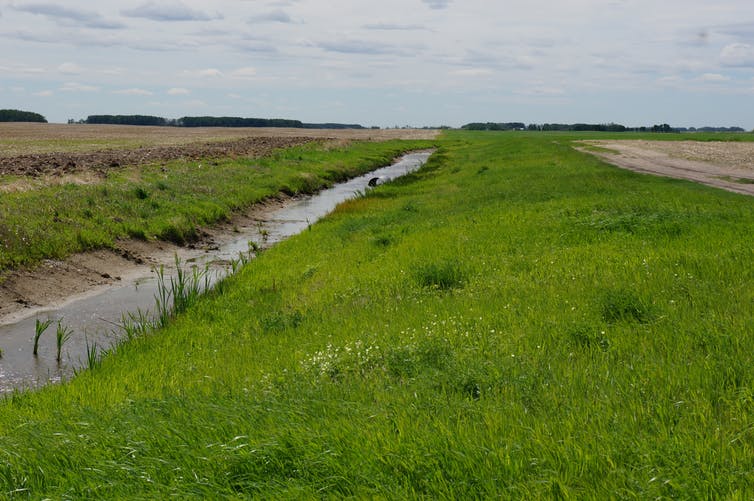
386 63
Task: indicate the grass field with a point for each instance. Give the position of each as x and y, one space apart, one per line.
516 320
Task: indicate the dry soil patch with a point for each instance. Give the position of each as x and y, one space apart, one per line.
723 164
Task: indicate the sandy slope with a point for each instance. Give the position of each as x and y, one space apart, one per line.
726 165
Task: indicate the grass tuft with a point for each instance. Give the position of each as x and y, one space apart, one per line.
624 305
443 275
141 193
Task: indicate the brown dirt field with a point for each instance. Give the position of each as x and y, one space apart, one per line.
61 163
54 149
32 138
726 165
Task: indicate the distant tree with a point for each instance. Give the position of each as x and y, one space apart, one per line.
211 122
664 128
579 127
21 116
258 122
237 122
494 126
126 120
716 129
327 126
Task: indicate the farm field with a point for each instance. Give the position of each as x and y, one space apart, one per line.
30 138
517 319
75 152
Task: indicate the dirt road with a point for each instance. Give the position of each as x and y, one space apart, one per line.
726 165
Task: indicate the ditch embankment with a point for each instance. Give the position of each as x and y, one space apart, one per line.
92 293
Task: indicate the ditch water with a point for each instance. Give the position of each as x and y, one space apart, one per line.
95 319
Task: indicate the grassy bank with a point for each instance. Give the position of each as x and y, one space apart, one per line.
169 202
515 320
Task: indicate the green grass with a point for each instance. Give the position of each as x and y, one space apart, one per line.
516 320
168 202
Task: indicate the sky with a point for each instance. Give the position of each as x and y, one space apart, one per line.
688 63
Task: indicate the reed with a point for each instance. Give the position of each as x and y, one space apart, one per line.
62 335
176 293
39 328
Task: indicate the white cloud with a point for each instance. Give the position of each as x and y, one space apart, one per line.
274 16
394 27
134 91
70 68
539 90
210 73
178 91
670 80
21 70
77 87
44 93
437 4
473 72
737 54
80 17
713 77
244 73
169 11
364 47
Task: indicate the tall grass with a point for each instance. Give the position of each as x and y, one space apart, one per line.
546 327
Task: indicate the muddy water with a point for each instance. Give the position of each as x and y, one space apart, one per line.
95 318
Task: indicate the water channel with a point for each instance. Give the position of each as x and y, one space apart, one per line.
95 318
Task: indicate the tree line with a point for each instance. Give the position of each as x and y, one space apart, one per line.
210 122
21 116
577 127
583 127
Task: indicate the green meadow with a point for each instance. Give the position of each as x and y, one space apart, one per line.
515 320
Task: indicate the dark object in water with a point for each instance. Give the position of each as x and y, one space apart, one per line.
374 181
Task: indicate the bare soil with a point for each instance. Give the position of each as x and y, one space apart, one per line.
55 149
726 165
61 163
31 138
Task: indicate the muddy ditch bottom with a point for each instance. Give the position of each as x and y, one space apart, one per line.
95 318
